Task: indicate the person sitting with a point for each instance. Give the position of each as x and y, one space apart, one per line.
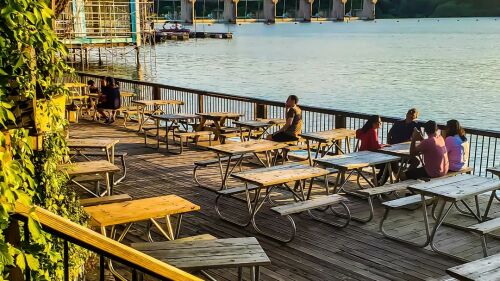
293 126
110 99
433 149
402 130
93 89
456 145
368 136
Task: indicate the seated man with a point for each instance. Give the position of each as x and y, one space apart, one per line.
293 126
402 130
434 153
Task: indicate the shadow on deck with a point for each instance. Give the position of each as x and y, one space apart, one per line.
319 251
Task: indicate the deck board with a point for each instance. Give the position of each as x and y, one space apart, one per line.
319 252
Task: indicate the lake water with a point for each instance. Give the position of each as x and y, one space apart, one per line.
447 68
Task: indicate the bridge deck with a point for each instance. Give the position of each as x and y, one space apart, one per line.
319 252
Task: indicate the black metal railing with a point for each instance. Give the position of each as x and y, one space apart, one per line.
484 144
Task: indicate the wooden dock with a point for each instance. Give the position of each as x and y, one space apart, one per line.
319 252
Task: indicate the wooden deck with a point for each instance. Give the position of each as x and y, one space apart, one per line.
319 251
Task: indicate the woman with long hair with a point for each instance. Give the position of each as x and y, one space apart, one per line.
368 135
456 145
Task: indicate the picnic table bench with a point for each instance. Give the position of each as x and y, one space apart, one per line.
100 167
219 120
327 140
121 154
156 104
261 126
269 178
447 190
106 145
485 269
209 254
129 212
241 149
103 246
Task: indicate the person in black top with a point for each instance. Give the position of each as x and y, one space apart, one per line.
402 130
93 89
110 99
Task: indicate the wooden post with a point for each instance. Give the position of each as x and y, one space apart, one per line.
340 122
260 111
200 103
156 93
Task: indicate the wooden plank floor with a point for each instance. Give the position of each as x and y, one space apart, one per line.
319 251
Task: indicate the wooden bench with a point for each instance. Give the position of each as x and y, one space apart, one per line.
93 241
120 154
483 229
485 269
465 170
184 136
104 200
404 203
209 254
161 129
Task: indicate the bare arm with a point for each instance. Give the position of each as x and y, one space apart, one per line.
416 136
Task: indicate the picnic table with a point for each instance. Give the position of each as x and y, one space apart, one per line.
495 171
269 178
219 119
453 190
107 145
261 125
75 85
241 149
171 122
354 163
100 167
485 269
330 138
401 150
148 209
156 104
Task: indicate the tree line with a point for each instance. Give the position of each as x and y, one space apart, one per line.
437 8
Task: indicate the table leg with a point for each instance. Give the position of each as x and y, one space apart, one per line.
309 156
113 154
140 112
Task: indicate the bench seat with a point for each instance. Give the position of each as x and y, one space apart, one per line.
405 202
89 178
388 188
209 254
483 229
236 190
105 200
485 269
302 206
205 163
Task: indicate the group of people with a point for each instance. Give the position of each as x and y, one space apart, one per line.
439 154
108 97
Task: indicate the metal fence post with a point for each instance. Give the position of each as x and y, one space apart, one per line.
340 122
156 93
200 103
260 111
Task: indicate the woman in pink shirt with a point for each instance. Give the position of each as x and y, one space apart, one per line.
456 145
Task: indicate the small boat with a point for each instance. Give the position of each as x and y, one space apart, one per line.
176 28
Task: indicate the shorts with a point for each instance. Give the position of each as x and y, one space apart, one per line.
417 173
283 137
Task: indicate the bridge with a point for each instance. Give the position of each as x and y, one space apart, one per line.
269 11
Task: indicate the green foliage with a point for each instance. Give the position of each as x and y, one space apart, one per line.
437 8
30 69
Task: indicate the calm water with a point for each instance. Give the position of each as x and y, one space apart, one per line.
447 68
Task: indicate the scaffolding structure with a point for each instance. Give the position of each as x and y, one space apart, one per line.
109 31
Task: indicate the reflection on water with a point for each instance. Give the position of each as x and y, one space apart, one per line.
447 68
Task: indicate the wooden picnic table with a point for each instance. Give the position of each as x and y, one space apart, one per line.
261 125
271 177
171 123
452 190
241 149
75 85
107 145
355 162
330 138
485 269
156 104
148 209
100 167
219 119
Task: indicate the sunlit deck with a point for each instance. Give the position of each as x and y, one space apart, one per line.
318 252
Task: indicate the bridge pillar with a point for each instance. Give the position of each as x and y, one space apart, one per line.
270 10
231 10
187 11
368 12
305 10
338 10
